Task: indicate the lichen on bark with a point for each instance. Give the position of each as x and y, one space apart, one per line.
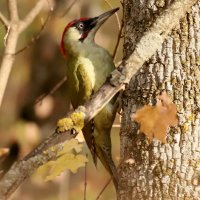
172 170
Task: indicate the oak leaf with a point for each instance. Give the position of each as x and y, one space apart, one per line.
154 120
66 159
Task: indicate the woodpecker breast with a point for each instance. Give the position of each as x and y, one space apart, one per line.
88 68
97 61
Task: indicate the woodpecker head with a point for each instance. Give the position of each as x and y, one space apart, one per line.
82 31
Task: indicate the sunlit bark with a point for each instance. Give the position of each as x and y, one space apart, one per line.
172 170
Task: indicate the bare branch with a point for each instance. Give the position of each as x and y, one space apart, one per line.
103 189
15 28
32 14
118 40
6 36
116 14
8 59
37 36
69 8
146 47
13 11
110 179
52 91
4 20
120 26
25 167
85 181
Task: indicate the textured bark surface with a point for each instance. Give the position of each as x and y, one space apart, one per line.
162 171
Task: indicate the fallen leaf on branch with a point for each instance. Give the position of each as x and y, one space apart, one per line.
154 120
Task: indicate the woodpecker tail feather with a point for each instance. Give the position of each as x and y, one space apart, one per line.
102 151
88 132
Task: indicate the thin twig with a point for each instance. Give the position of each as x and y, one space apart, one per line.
110 179
32 14
105 186
69 8
120 26
4 20
38 34
118 41
85 180
52 91
116 14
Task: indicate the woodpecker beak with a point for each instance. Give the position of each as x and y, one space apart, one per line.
103 17
96 22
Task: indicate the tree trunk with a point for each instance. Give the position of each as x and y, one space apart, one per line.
154 170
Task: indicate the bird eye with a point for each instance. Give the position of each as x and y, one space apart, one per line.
80 26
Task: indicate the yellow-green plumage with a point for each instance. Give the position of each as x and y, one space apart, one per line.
80 87
85 76
88 66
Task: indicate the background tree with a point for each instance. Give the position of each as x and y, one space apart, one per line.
32 74
155 170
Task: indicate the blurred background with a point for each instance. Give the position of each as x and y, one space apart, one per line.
39 68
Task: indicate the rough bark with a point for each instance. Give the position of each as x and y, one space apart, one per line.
172 170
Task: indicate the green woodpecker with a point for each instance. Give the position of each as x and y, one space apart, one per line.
88 66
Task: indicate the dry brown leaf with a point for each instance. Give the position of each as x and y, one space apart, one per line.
154 120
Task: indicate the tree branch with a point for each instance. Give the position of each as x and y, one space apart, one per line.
13 11
69 8
32 14
8 58
38 34
146 47
15 28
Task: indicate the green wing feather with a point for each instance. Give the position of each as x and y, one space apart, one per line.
80 90
79 85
